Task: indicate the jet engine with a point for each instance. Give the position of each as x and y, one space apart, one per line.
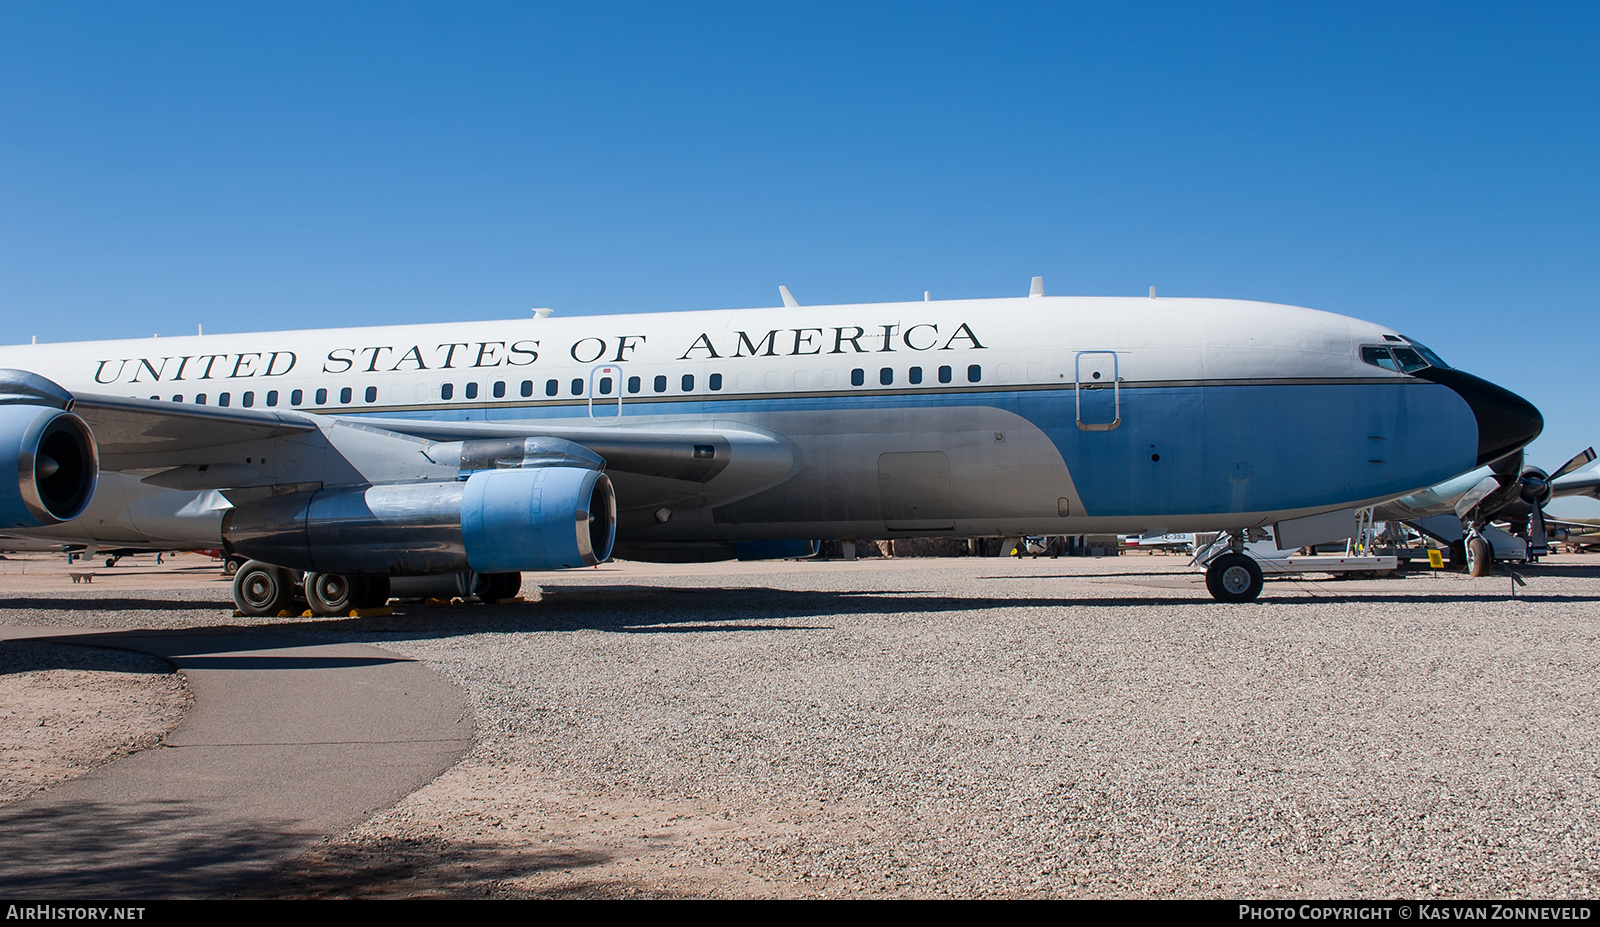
48 461
494 521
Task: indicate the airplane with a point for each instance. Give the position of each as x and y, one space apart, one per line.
1460 511
338 458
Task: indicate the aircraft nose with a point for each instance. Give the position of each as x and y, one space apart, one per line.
1506 421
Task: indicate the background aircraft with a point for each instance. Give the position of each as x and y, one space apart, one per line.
1458 511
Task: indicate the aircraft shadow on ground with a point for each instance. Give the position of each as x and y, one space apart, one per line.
656 610
425 867
642 609
109 650
110 604
93 849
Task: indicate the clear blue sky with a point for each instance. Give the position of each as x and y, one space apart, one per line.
282 165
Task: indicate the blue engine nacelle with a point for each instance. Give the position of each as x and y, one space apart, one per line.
493 521
48 465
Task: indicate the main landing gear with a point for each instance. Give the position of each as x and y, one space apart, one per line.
263 590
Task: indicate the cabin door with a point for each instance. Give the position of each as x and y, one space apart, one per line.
605 393
1097 390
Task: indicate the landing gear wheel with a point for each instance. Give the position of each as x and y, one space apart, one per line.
1480 557
231 565
1234 578
261 589
335 594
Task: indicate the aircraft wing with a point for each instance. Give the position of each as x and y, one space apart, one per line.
714 463
654 466
142 433
1583 483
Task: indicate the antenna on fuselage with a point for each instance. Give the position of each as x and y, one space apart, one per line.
788 297
542 312
1152 292
1037 289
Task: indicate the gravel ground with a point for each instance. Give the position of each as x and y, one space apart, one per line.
1095 728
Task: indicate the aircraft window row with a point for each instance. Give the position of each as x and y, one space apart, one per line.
858 376
606 386
247 399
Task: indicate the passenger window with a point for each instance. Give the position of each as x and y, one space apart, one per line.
551 387
660 384
974 373
914 375
634 385
716 381
605 386
322 396
886 376
199 399
222 399
447 390
272 398
1378 357
155 398
472 391
177 399
688 382
858 377
372 394
577 386
499 389
345 395
248 399
297 397
527 388
945 374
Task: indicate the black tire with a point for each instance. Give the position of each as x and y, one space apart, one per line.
111 561
231 565
1480 557
1234 578
335 594
262 590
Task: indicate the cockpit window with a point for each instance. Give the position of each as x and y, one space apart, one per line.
1379 356
1427 355
1400 358
1410 361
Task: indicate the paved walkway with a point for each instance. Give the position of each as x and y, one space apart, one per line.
288 741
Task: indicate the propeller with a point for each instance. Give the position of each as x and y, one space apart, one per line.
1516 493
1536 491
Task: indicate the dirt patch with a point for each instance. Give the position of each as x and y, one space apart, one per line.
65 710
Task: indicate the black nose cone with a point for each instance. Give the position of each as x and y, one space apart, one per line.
1506 421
